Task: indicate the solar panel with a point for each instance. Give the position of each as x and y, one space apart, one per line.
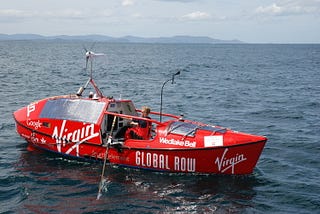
73 109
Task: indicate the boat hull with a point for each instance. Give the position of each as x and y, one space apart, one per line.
239 159
236 159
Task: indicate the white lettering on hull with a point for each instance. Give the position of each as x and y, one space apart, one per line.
184 164
224 163
164 162
185 143
30 108
35 124
77 136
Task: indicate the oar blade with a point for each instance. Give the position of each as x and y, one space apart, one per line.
102 187
99 196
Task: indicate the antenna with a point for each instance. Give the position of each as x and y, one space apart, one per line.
172 81
90 55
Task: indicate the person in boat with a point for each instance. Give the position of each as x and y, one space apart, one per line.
137 128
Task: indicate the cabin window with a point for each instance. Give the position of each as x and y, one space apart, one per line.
214 129
76 110
189 129
182 128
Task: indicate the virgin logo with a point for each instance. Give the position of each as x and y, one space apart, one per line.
77 136
228 163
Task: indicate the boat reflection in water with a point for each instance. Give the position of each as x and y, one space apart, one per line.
65 185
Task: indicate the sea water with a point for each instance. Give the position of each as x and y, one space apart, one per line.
270 90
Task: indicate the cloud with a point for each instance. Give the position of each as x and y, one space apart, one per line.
197 15
12 13
126 3
272 9
65 14
289 8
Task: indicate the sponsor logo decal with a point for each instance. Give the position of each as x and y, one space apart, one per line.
62 135
43 141
35 124
33 138
224 163
185 143
30 108
210 141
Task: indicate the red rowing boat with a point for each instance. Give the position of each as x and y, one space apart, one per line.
86 127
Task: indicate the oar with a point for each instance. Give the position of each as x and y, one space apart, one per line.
105 157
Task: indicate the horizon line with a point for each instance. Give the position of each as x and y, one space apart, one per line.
215 40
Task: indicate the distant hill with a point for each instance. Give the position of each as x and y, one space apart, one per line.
125 39
20 37
178 39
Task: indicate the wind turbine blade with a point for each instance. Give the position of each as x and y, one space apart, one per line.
99 54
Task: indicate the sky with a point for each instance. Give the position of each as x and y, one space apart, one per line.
252 21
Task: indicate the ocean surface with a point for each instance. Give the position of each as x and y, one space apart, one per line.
271 90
